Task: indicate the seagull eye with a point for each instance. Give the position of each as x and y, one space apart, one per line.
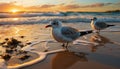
55 23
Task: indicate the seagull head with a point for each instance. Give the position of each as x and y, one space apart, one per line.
54 24
94 18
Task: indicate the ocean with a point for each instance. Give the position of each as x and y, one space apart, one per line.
66 17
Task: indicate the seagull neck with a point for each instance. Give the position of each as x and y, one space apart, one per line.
93 21
57 27
56 30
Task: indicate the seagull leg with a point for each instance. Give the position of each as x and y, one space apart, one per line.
66 46
63 45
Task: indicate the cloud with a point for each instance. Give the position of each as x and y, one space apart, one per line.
118 3
77 6
5 7
47 6
74 6
96 5
52 7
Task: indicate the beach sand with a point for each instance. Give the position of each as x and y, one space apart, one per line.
94 52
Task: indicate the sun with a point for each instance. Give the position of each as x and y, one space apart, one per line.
15 10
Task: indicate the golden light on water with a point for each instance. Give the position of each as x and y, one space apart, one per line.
15 19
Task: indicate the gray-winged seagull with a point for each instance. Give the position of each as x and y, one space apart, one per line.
98 25
65 34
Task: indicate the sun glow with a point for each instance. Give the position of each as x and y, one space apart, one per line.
15 10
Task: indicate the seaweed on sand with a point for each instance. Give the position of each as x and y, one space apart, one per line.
11 45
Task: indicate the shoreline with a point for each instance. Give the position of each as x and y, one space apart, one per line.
84 54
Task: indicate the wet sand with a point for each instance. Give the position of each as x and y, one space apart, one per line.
104 55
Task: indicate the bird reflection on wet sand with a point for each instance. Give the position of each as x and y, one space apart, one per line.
64 60
101 41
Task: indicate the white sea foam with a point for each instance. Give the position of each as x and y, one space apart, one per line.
33 18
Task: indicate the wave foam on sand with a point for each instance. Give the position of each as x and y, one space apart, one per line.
42 55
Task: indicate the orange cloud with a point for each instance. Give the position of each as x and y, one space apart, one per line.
74 6
41 8
97 5
47 6
6 7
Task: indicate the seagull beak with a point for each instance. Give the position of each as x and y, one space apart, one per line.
48 26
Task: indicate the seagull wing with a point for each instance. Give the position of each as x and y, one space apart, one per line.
70 32
101 25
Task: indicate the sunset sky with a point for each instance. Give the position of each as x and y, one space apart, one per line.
59 5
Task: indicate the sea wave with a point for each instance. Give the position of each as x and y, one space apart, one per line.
33 18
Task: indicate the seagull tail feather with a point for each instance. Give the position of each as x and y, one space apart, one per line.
110 25
82 33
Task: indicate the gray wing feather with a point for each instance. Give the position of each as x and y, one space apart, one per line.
70 32
101 25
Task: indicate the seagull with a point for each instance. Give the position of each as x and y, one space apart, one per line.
98 25
65 34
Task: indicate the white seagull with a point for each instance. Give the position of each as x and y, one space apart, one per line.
98 25
64 34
